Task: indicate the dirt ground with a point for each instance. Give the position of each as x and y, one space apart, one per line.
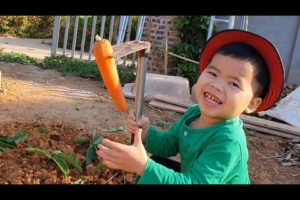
57 110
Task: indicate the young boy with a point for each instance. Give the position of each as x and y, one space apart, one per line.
241 72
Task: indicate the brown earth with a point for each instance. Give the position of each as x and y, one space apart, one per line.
58 109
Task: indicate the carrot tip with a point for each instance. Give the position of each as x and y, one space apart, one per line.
98 38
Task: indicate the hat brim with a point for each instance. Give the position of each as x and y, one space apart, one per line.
263 46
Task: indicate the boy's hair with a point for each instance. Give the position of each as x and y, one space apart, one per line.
246 52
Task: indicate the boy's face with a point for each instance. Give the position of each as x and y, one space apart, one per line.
225 89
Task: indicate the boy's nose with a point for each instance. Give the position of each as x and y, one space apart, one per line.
217 85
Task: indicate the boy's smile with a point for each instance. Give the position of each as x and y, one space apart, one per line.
211 99
225 88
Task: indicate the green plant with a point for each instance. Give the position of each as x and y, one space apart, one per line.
66 65
39 27
84 68
27 26
112 129
91 152
127 74
19 58
192 31
11 142
79 182
59 158
92 149
99 167
82 140
42 129
93 145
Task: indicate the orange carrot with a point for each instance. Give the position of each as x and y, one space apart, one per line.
108 70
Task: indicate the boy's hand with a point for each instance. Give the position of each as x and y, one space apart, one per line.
131 158
132 126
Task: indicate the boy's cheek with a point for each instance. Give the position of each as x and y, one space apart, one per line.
194 93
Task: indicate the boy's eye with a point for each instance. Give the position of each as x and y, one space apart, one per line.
212 73
234 84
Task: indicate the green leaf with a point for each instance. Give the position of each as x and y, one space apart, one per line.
99 167
72 159
192 31
20 136
5 144
11 142
2 148
39 151
194 69
79 182
94 134
62 165
98 139
111 129
91 154
42 129
82 139
56 152
3 137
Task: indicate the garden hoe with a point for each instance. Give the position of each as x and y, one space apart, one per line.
106 57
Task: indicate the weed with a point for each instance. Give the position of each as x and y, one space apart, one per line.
11 142
59 158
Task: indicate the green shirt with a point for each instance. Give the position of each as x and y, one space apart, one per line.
213 155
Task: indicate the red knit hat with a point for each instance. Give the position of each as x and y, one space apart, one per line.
263 46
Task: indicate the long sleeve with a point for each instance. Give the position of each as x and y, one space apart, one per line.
165 143
214 155
211 167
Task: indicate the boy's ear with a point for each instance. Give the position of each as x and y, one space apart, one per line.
253 105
